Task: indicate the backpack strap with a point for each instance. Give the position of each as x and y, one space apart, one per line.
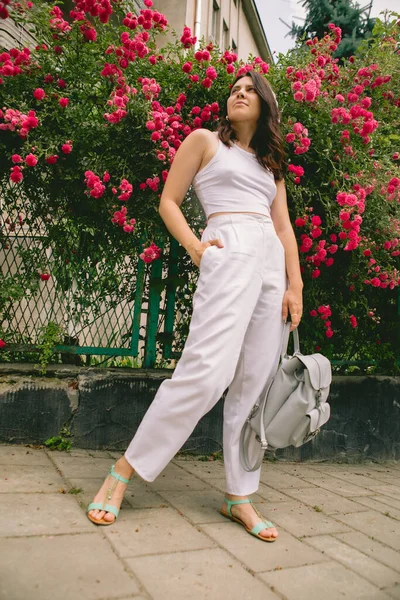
285 340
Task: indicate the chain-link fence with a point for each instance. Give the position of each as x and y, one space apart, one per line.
116 307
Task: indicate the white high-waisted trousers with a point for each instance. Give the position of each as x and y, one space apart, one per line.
234 340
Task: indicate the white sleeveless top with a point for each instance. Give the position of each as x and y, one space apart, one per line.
234 181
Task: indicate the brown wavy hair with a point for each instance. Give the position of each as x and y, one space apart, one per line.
267 140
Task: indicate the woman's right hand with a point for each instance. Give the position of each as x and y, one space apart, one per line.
197 252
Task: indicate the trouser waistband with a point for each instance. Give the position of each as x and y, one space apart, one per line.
240 218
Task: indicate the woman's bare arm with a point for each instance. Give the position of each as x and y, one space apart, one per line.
292 302
186 163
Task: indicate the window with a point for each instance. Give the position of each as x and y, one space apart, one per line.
225 39
215 25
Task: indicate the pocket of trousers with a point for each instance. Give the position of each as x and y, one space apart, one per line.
204 256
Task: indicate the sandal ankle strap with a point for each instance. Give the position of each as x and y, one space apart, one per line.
117 476
231 503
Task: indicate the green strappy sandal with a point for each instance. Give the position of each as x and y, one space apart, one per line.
257 528
104 506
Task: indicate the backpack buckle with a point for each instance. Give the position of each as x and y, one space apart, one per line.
311 435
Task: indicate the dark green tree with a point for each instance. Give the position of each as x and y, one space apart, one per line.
354 21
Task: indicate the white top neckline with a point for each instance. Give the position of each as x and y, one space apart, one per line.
245 151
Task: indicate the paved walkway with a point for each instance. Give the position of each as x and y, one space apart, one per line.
339 532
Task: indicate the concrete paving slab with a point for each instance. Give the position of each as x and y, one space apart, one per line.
40 514
270 495
378 526
363 480
394 591
277 480
388 500
295 469
198 507
23 455
373 548
151 532
391 480
259 556
137 495
338 486
201 506
201 575
387 489
300 520
375 503
218 483
325 580
174 479
204 470
73 453
365 468
154 531
388 475
135 598
64 566
367 567
101 454
328 502
32 479
367 479
264 493
85 466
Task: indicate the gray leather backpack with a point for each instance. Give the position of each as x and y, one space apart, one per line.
292 409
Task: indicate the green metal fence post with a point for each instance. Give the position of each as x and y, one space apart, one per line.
155 288
137 308
171 297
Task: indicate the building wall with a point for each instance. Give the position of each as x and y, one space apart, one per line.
12 35
228 25
246 40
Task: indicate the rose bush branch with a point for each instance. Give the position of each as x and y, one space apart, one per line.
92 117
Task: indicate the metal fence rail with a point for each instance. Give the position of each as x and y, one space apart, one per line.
118 307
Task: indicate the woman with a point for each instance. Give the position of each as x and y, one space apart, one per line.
249 282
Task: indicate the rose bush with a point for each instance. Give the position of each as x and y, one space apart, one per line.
92 117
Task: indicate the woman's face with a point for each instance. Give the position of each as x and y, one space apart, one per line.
244 103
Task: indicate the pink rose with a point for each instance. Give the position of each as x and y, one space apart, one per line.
187 67
66 148
207 82
31 160
315 220
39 94
353 321
16 175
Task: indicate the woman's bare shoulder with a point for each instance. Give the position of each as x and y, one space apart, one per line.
203 136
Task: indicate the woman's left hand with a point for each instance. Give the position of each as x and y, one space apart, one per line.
292 304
